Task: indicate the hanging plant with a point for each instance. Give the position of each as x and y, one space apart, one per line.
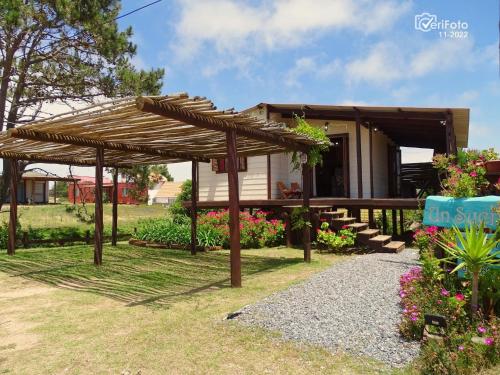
315 154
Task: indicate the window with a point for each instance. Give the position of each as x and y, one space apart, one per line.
124 192
220 165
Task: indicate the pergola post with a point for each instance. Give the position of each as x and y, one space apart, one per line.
194 198
306 195
234 208
99 162
55 192
359 160
74 192
114 222
11 243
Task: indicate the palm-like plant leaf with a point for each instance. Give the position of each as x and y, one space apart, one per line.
475 249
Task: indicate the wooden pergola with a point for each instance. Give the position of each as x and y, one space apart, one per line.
152 130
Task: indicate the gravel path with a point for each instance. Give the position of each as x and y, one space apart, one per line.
352 306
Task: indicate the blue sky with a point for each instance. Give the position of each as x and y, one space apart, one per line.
240 53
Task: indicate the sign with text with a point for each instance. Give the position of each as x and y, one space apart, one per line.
448 212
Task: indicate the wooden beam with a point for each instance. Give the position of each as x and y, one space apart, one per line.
371 161
11 241
234 209
194 211
114 223
98 236
269 186
359 161
172 111
66 139
306 203
46 159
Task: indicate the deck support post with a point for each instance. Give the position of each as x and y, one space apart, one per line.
401 222
11 243
234 209
55 192
372 193
384 221
359 161
194 198
306 195
394 217
114 223
371 220
99 163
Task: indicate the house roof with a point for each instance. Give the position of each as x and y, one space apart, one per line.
406 126
39 176
169 189
147 130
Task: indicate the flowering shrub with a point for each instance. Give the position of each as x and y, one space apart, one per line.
213 230
464 173
345 237
470 341
255 230
423 238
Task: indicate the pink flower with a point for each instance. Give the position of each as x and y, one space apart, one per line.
414 318
473 174
481 329
444 292
460 348
345 226
459 297
439 302
489 341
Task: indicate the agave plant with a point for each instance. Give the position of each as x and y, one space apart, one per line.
475 250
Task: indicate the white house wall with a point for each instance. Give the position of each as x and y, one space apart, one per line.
253 182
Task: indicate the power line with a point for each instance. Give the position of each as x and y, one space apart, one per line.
138 9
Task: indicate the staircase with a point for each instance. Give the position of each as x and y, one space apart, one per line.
370 238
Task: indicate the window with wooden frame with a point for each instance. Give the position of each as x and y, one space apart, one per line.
220 165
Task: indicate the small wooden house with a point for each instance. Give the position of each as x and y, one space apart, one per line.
364 160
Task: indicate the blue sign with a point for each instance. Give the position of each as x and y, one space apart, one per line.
460 212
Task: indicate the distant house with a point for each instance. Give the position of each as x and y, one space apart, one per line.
164 192
34 187
84 188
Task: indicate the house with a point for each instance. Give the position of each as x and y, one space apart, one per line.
164 192
84 188
364 160
34 187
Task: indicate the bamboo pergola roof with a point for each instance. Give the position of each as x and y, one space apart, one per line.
147 130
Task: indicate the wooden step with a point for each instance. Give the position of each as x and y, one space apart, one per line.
331 215
393 247
358 227
377 242
341 221
363 236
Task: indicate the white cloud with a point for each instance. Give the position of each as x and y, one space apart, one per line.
309 66
230 26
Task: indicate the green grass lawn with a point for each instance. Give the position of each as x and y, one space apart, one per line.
151 311
55 216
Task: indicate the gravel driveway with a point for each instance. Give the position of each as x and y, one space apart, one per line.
352 306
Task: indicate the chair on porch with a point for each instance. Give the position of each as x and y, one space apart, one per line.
295 188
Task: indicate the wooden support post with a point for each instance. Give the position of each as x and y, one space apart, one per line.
384 221
74 192
401 222
306 195
194 199
359 161
371 220
372 194
394 215
11 242
269 186
55 192
99 162
114 223
234 208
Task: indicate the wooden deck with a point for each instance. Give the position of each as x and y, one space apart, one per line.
348 203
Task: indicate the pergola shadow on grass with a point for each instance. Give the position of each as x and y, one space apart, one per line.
133 275
153 130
